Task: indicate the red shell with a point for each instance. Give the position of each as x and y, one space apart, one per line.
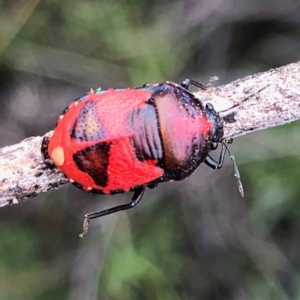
119 139
112 108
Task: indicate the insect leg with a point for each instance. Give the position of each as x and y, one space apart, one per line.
218 165
137 196
186 83
213 163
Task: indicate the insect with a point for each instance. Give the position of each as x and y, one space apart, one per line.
121 140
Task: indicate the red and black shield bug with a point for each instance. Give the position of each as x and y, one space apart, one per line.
121 140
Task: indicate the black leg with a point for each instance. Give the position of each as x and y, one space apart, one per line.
218 165
152 185
146 85
214 164
137 196
186 83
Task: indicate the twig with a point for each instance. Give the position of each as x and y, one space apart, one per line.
258 101
253 103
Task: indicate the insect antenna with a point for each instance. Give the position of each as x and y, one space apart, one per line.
235 169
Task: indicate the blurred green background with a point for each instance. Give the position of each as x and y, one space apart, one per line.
195 239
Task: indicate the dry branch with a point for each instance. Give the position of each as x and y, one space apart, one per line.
253 103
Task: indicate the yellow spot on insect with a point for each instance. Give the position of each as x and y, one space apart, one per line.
71 180
89 188
76 102
61 116
58 156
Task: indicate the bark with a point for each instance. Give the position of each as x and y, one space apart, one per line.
252 103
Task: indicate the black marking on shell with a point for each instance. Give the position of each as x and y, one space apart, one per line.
93 160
